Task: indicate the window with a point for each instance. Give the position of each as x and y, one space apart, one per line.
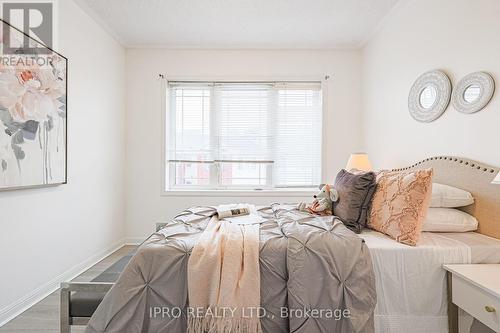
244 135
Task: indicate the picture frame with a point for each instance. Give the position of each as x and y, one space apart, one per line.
33 114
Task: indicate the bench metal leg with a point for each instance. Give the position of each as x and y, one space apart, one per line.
452 308
66 289
64 311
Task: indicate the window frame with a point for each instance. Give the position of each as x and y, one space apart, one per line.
220 191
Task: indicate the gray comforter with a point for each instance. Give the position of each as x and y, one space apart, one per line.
316 276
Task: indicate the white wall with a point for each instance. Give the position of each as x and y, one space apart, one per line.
457 36
46 232
145 205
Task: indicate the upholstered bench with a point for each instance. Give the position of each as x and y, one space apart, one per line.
79 300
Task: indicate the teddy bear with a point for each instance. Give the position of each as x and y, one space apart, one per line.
323 201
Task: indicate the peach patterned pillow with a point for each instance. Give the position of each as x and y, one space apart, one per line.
400 204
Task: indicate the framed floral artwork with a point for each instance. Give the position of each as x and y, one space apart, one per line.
33 112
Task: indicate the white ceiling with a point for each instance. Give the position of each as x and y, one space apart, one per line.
239 23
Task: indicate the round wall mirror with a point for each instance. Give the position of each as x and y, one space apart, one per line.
473 92
428 97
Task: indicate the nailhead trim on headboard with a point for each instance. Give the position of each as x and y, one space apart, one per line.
451 159
474 177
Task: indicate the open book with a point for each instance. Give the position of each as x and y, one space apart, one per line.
239 213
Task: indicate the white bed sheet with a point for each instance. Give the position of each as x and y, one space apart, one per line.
410 281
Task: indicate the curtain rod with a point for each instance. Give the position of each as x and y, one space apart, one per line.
326 77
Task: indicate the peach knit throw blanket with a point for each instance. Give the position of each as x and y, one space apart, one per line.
224 279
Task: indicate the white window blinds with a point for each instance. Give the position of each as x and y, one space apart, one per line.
298 136
244 135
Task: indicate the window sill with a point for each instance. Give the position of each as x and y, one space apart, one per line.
306 192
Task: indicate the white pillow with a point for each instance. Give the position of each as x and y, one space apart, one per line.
449 220
449 196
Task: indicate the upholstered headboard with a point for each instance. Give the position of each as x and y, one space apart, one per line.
474 177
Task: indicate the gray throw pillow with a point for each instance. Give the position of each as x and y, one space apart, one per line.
355 195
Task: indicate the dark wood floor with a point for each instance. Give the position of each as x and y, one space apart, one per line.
43 317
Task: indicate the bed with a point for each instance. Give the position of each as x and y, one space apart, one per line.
409 281
307 262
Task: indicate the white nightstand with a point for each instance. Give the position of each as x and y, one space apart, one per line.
476 290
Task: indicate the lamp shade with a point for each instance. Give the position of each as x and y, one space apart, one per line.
497 179
359 161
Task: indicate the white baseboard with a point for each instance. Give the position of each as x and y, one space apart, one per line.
13 310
